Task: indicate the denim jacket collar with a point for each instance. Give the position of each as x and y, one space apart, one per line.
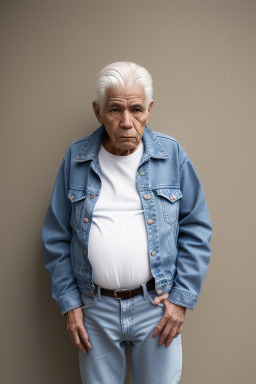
152 146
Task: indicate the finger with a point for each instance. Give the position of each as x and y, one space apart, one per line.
159 327
84 337
165 333
170 337
78 343
158 299
71 338
179 329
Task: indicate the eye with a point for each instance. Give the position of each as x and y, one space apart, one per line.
114 110
137 110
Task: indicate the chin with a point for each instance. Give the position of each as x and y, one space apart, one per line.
127 143
128 146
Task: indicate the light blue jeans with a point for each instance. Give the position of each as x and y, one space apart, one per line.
110 323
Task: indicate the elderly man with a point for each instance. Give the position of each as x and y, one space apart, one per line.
126 237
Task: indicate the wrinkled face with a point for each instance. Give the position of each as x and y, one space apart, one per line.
124 116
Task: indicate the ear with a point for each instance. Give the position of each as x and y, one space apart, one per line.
97 112
150 108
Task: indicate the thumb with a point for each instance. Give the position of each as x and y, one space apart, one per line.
158 299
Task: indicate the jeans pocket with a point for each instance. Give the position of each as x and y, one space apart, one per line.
151 296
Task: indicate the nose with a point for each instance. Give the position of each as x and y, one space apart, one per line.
126 121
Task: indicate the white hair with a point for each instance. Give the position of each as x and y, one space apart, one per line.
123 74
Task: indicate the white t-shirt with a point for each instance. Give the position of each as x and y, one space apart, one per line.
118 247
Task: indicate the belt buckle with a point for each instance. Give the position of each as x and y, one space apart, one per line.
122 290
115 294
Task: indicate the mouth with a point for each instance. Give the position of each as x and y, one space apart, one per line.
127 137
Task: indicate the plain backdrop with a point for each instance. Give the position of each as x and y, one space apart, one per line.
201 54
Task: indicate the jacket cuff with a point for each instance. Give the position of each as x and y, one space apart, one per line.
182 297
69 301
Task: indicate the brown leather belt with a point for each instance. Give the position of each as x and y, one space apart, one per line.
127 293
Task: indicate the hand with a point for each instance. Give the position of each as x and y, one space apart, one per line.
77 331
171 323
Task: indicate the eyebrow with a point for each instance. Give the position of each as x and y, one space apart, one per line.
115 104
120 105
137 105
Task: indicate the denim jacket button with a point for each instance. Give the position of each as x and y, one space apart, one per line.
72 197
153 253
159 291
92 293
91 196
146 197
85 251
86 220
150 221
142 173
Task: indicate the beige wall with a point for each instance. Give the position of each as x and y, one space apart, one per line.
202 58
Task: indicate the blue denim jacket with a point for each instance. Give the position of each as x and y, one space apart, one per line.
176 218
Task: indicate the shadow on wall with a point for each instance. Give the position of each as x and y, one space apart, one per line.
59 358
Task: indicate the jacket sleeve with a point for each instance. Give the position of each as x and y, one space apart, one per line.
194 234
56 243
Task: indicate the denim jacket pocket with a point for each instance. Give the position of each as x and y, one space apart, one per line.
170 203
76 195
77 198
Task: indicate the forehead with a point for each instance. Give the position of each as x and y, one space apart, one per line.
125 95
